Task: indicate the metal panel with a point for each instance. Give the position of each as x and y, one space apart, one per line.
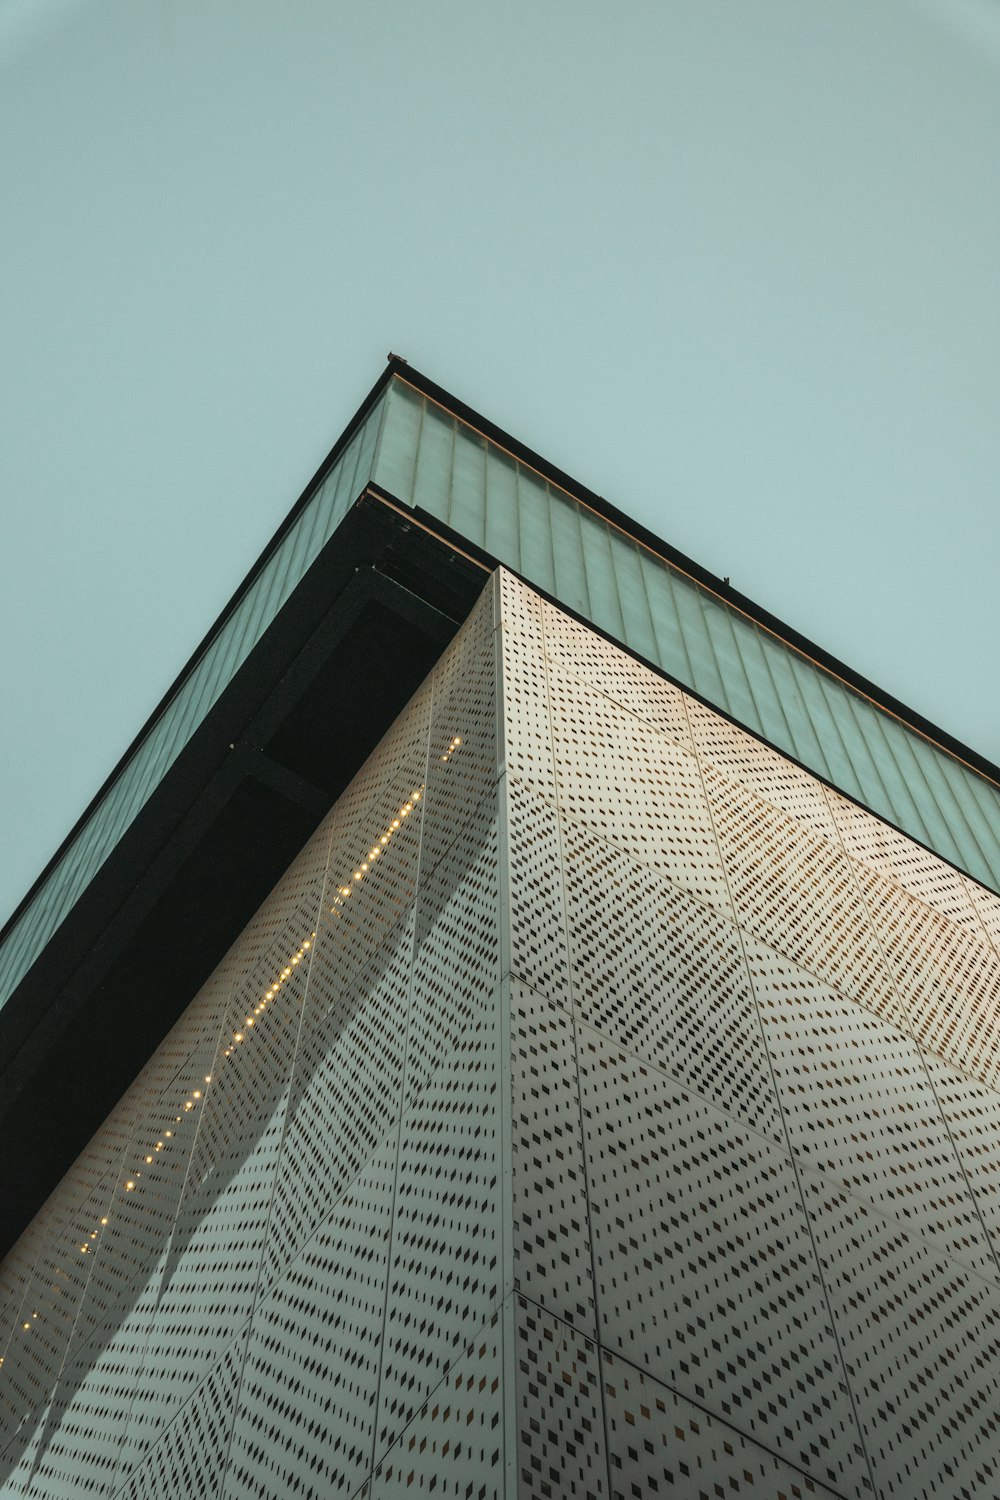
537 919
859 1106
947 977
704 1263
456 957
799 894
190 1457
551 1245
346 1089
306 1412
560 1428
635 787
446 1271
891 854
660 1443
921 1342
663 977
770 776
972 1114
454 1444
578 652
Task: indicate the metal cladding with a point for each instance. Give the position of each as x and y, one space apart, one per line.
599 1106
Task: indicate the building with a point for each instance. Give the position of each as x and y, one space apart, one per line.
545 1015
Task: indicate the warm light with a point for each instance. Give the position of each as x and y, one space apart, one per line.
395 822
237 1036
208 1078
25 1325
196 1094
129 1185
148 1160
168 1134
104 1221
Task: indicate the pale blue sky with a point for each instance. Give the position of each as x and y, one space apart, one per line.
733 263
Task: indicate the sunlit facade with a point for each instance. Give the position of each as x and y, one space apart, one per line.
603 1101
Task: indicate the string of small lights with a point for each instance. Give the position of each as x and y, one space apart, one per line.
242 1033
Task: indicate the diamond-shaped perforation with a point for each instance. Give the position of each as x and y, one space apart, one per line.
40 1341
17 1460
949 979
798 893
635 787
663 975
537 918
661 1444
526 731
79 1447
214 1259
552 1262
462 757
445 1272
306 1415
581 653
189 1458
741 758
859 1105
921 1342
456 964
891 854
704 1264
972 1114
560 1430
454 1445
346 1086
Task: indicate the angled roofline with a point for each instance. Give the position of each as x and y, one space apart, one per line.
706 579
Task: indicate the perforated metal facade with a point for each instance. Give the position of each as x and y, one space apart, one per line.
599 1106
